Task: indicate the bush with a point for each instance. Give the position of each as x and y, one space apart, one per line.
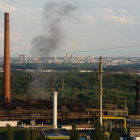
114 135
75 133
10 133
99 132
27 134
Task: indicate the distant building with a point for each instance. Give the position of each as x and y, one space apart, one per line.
1 70
34 60
22 59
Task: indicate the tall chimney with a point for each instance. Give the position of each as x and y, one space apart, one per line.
55 109
6 58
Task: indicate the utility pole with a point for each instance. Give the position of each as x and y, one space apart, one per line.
125 107
101 91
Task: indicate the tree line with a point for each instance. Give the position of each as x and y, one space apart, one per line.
117 88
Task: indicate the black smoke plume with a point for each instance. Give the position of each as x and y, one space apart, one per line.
54 14
51 39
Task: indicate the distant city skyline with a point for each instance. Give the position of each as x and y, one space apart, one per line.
70 59
94 27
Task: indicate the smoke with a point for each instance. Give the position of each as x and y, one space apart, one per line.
51 39
54 14
8 1
44 83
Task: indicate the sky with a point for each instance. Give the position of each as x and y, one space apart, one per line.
93 28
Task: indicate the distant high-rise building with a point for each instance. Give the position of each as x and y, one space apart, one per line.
22 59
66 55
55 58
66 58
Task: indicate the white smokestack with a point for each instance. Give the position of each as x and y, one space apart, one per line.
55 110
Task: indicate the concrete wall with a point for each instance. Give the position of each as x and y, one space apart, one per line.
12 123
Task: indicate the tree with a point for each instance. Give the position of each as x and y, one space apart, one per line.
10 133
27 134
75 133
99 132
128 134
114 135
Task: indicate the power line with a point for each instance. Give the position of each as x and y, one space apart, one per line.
128 55
95 50
112 48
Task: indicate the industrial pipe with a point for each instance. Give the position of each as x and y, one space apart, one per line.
55 110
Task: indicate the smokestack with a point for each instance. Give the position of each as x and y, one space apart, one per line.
6 58
55 110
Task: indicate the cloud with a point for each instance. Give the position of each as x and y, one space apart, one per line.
8 1
103 2
88 19
119 19
122 11
72 44
119 11
108 10
118 15
1 36
13 37
7 7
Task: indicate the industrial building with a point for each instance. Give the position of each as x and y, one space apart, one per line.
56 134
45 111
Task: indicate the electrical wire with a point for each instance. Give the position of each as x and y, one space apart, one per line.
95 50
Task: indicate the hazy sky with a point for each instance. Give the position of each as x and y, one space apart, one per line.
94 25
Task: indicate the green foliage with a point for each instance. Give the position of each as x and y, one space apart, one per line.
74 66
36 135
19 82
114 135
99 132
75 133
27 134
128 133
19 134
10 133
76 86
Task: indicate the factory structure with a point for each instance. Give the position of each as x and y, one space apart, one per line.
7 95
50 112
